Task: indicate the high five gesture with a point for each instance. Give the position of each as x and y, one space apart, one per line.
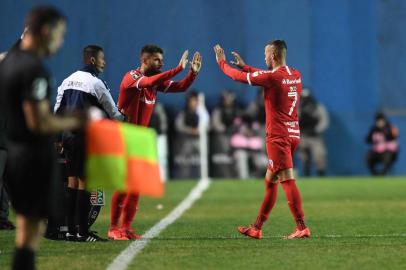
184 60
220 56
196 63
239 62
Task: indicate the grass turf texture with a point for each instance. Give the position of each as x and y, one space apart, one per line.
356 223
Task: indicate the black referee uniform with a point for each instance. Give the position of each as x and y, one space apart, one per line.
31 160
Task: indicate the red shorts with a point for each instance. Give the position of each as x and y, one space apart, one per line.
280 153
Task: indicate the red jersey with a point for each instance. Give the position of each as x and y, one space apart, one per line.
138 92
282 89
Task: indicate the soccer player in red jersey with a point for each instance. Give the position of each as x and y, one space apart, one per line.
138 91
282 89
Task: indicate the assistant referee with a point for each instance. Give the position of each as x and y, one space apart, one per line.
25 94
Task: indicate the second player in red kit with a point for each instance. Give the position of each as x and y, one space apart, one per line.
137 97
282 89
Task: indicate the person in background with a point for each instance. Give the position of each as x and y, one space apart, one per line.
256 111
248 148
384 145
222 127
254 115
313 121
159 122
5 223
187 128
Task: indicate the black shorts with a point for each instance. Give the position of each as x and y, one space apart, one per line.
31 176
74 149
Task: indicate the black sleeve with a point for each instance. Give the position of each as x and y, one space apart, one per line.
36 86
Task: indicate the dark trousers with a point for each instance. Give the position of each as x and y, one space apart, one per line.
385 159
4 201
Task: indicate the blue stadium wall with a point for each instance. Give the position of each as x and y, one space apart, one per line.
350 52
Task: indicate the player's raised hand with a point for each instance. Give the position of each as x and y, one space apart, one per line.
238 61
196 63
219 53
184 60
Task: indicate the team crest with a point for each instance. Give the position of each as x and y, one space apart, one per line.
40 86
134 74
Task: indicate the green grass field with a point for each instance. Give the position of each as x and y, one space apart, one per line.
356 223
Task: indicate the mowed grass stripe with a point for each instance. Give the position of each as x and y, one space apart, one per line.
206 238
63 255
122 261
358 224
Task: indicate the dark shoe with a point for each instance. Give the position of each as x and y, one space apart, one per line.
89 237
70 237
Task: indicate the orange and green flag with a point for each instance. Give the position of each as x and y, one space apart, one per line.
122 157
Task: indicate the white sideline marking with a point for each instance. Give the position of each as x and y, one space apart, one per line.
123 260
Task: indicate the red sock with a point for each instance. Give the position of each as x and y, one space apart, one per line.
271 193
294 202
130 209
116 208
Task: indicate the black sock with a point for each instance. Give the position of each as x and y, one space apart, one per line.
82 211
71 205
24 259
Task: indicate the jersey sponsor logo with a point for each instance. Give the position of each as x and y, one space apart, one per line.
294 81
40 86
292 88
292 123
270 163
257 73
75 84
293 130
134 74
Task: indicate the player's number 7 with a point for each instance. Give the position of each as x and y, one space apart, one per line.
294 95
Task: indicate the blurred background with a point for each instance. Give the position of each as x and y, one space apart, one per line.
350 53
